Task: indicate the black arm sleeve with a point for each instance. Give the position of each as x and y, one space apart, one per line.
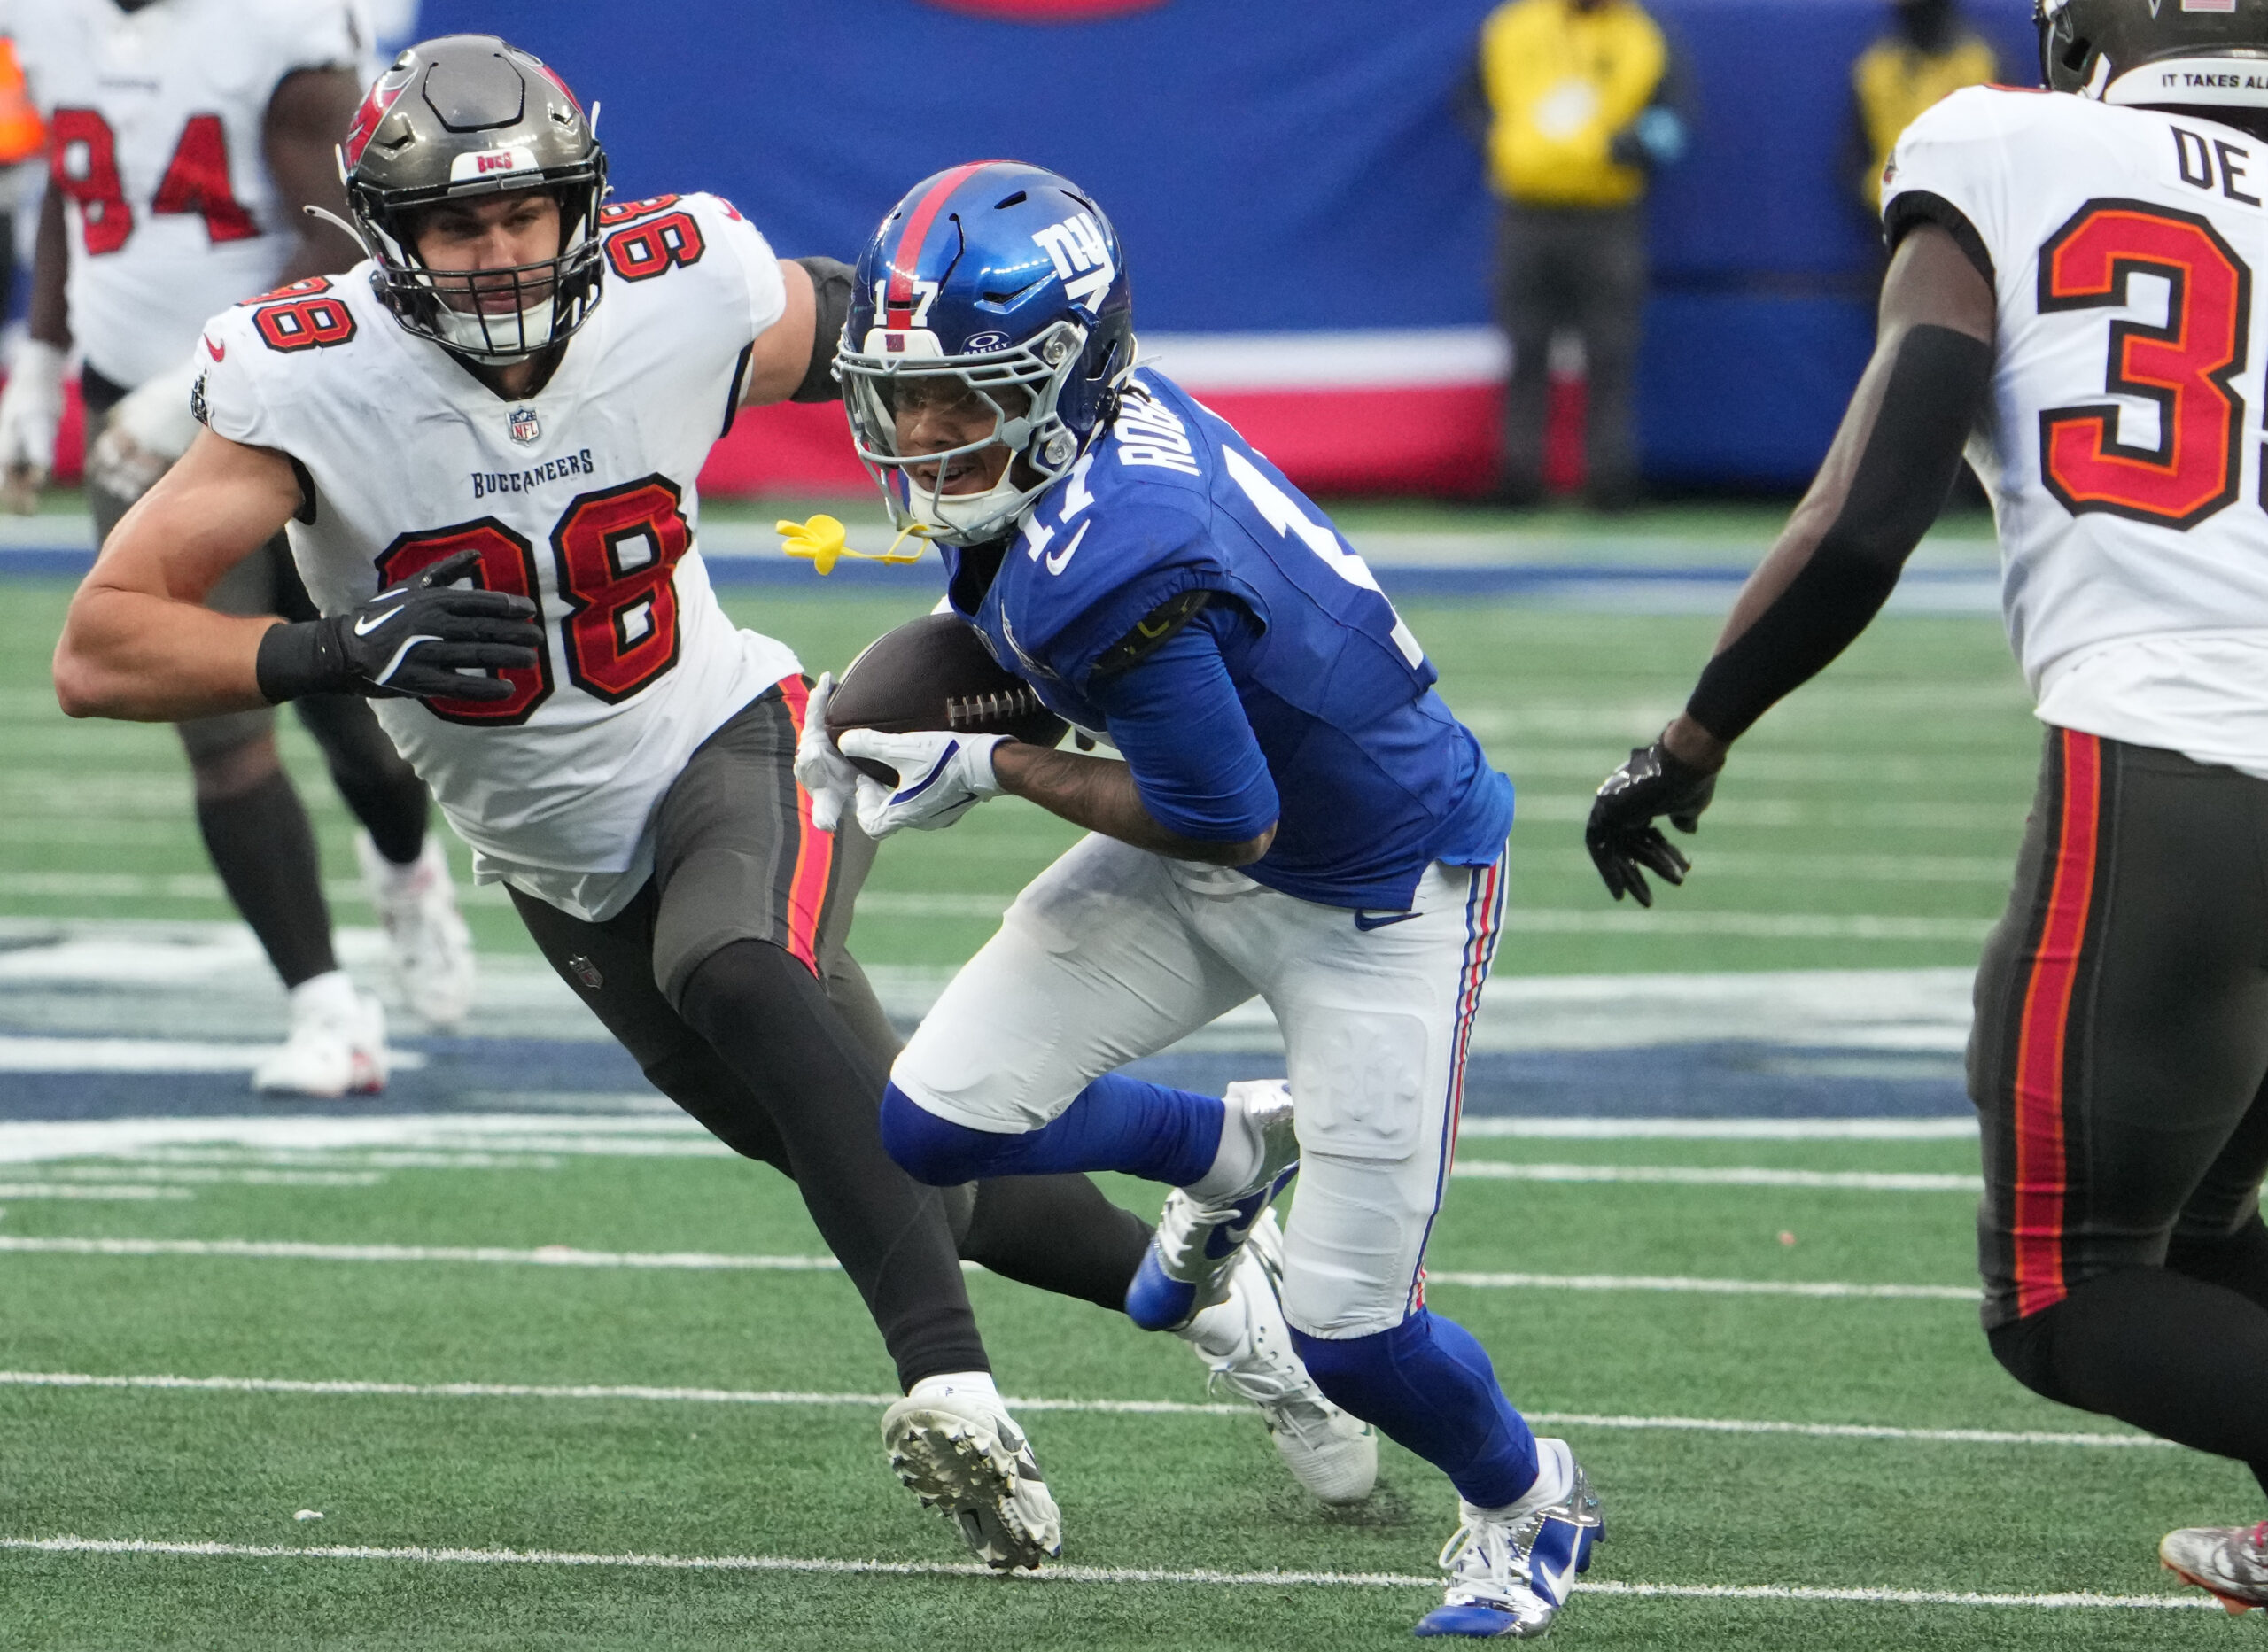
831 288
1937 388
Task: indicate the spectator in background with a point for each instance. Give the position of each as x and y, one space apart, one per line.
23 140
1929 53
1570 100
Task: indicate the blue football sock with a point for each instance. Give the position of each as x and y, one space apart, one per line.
1427 1385
1116 1123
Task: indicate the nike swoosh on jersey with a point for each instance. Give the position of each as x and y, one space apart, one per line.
369 622
1379 920
1056 559
219 352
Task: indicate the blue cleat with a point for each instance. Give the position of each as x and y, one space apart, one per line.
1512 1571
1194 1251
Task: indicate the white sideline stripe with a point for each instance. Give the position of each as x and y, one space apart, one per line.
1108 1408
1076 1574
294 1250
32 1054
1725 1175
567 1256
1961 1129
1700 1287
80 1190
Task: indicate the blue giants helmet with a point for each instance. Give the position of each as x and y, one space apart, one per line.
998 281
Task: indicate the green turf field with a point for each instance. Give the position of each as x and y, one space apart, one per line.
1870 823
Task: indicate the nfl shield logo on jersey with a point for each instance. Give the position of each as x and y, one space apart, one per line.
525 427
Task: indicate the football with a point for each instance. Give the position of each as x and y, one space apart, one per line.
933 673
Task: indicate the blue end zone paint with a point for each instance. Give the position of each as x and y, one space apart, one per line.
1675 1081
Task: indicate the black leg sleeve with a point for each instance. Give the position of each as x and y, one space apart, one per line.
2171 1355
2238 1263
380 787
1058 1233
265 852
769 1020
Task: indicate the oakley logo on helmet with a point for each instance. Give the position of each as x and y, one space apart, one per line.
1082 258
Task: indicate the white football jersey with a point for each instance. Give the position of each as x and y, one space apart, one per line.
2123 445
155 120
581 497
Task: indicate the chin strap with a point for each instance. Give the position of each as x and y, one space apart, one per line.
820 542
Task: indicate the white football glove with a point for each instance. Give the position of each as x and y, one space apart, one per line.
821 769
940 777
146 432
31 411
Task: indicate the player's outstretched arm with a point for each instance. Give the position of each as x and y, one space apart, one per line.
1835 564
137 643
793 360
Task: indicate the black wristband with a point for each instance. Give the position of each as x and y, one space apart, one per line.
299 659
831 297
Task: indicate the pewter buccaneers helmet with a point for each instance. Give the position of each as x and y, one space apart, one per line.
457 118
2199 53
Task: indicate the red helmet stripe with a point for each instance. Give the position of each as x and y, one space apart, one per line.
917 231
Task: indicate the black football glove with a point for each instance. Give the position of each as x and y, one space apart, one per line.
411 640
1622 836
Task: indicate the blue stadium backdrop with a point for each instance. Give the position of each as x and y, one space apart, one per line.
1309 230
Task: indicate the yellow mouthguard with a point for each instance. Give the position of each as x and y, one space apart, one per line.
820 542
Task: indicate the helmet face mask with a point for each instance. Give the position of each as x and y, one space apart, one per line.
456 122
998 290
886 390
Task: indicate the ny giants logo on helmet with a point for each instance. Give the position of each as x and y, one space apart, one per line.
1082 258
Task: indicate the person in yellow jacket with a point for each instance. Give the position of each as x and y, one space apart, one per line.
23 140
1572 103
1929 53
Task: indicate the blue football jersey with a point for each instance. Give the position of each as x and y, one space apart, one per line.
1376 779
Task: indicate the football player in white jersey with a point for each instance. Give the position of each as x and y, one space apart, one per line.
187 135
463 407
2074 295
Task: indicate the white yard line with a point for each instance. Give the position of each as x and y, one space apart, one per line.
84 1190
1109 1408
1955 1128
1725 1175
568 1256
1793 1593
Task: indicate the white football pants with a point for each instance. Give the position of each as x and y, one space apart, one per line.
1114 953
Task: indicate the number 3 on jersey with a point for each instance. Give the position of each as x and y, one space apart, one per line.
2186 366
616 553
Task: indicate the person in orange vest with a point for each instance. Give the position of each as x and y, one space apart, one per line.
23 140
1571 101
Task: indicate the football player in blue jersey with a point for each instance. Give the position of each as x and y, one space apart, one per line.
1298 816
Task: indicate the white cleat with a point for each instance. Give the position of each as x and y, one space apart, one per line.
426 935
2228 1563
1246 1345
1510 1569
961 1454
336 1045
